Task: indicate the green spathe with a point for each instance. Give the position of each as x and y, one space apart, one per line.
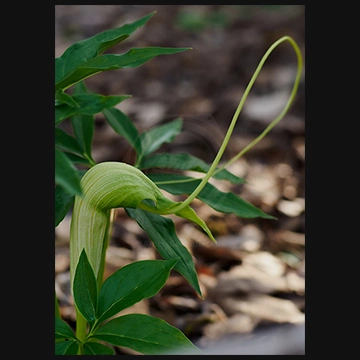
111 185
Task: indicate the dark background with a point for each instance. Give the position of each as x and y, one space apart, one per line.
204 86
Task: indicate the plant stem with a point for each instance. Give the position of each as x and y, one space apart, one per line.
213 166
284 111
81 325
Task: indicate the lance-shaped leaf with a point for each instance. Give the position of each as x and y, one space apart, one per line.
63 203
83 126
87 49
124 127
162 233
62 97
76 159
66 174
146 334
131 59
85 288
88 104
152 139
68 347
63 330
95 348
67 142
226 202
130 284
184 161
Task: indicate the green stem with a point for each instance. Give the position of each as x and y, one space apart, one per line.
282 114
213 166
81 326
177 181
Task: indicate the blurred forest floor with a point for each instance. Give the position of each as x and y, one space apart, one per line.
254 277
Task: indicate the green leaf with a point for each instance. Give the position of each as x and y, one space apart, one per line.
165 204
226 202
89 104
66 348
131 59
94 348
63 202
184 161
63 98
83 126
75 159
123 126
66 174
80 88
87 49
132 283
162 233
85 288
146 334
63 330
67 142
152 139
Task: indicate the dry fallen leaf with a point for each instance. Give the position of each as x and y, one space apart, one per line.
264 307
247 279
237 323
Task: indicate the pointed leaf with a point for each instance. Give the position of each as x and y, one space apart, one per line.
67 142
80 88
190 214
83 125
163 204
66 174
226 202
76 159
85 288
63 98
146 334
66 348
162 233
63 330
184 161
63 203
131 59
87 49
132 283
124 127
95 348
152 139
89 104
